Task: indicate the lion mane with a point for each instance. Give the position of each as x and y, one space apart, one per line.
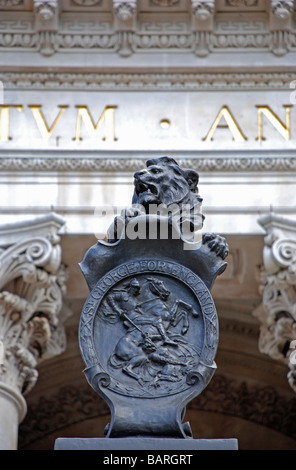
164 186
165 182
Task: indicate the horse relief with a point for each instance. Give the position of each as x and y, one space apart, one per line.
153 348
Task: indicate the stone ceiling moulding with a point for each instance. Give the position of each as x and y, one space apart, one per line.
200 27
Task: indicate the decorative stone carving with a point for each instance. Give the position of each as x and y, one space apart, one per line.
202 25
234 164
11 3
200 81
277 278
46 24
148 330
281 25
125 9
124 25
238 3
282 9
203 9
45 9
32 284
123 34
88 3
165 3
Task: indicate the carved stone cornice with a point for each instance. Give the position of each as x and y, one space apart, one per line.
72 163
180 81
32 285
114 29
277 279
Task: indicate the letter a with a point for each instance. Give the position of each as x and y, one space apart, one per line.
231 125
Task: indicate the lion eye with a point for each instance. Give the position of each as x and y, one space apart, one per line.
155 170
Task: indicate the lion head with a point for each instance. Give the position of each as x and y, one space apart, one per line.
164 182
165 189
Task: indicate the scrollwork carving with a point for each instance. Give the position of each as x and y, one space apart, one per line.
103 379
192 378
284 253
277 313
30 314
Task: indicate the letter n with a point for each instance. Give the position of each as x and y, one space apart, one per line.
284 130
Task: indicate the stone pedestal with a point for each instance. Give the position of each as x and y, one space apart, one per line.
147 443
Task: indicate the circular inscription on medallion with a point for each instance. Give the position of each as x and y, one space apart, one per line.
149 328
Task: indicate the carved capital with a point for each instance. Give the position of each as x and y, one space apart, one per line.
32 284
277 284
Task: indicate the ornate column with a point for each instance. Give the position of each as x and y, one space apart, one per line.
32 284
277 313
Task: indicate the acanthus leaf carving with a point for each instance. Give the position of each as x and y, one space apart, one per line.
277 313
32 283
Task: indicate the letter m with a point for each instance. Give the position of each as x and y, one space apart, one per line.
107 117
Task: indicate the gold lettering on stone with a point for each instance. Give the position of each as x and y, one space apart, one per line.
284 130
231 124
5 120
44 130
107 117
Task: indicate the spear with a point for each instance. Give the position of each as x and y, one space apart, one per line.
144 335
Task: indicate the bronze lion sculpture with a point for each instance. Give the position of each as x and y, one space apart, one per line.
163 184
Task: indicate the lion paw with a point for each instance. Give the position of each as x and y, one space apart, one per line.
216 243
131 212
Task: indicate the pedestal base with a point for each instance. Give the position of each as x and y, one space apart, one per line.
144 443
